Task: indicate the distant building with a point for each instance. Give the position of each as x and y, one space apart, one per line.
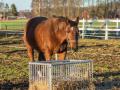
1 16
24 14
118 13
85 14
1 10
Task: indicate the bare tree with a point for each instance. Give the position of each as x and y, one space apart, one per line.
70 8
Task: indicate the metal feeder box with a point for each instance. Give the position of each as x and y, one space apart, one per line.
60 75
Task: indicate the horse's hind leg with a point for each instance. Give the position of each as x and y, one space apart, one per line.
30 53
30 50
41 56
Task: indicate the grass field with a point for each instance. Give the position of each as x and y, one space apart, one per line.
104 53
19 24
13 24
96 24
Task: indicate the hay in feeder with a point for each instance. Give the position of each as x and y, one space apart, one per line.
38 86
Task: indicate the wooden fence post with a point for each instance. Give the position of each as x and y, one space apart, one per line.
117 26
0 26
6 35
83 28
5 27
106 30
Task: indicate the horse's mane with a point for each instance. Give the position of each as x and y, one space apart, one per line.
71 22
61 18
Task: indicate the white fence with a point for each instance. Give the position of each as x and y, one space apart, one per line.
107 28
60 75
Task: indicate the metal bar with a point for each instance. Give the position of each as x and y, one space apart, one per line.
50 78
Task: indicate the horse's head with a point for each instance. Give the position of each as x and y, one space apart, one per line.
67 30
72 33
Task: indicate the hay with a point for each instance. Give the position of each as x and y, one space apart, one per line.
38 86
60 85
70 85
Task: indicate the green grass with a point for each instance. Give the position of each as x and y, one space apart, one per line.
20 24
13 24
111 25
104 53
14 72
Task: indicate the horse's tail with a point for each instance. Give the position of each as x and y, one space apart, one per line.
24 37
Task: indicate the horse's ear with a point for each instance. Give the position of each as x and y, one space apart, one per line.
77 20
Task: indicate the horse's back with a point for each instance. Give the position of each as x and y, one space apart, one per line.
29 32
32 23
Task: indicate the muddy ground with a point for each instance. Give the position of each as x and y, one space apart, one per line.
104 53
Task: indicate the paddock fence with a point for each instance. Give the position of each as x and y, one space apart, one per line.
94 28
12 26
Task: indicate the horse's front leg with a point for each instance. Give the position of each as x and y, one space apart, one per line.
47 55
62 55
41 56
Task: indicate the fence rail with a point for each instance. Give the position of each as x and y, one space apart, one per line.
107 28
7 33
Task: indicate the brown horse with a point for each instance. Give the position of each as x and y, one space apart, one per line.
50 36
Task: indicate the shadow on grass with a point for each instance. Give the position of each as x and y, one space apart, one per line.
105 84
7 85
